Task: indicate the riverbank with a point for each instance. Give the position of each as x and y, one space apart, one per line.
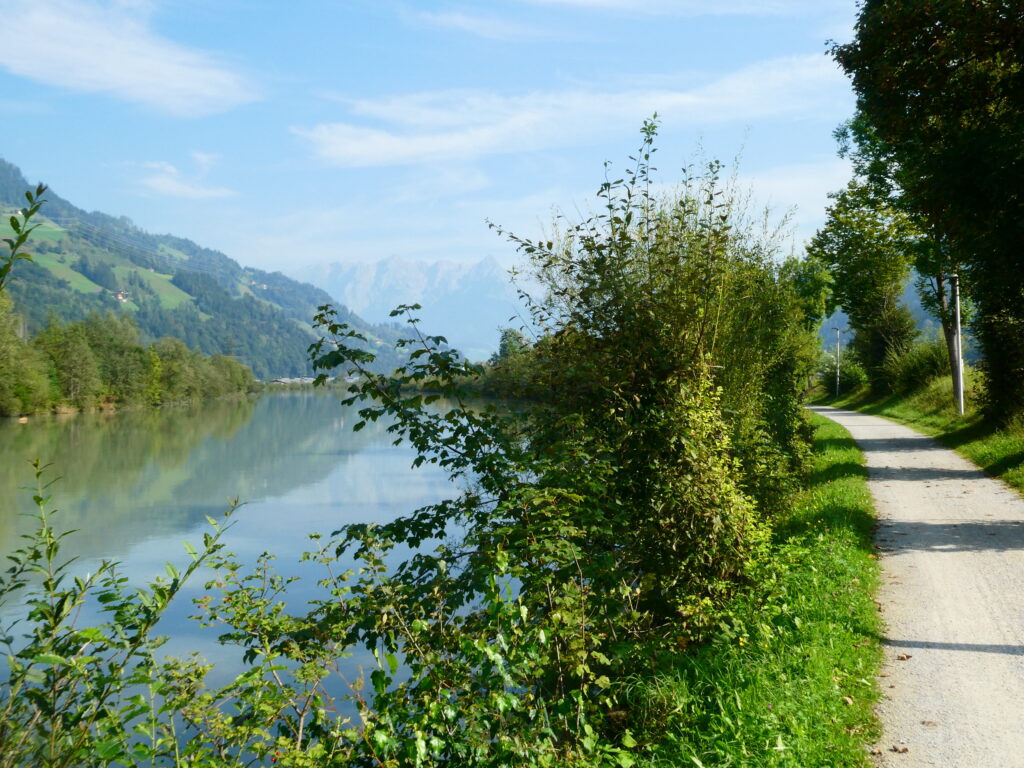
66 410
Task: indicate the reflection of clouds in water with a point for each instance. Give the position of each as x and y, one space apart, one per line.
291 458
140 474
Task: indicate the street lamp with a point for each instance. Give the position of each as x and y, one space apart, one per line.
838 356
958 364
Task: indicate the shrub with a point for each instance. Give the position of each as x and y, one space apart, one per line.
852 375
913 367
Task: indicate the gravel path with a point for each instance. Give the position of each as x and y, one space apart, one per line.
951 546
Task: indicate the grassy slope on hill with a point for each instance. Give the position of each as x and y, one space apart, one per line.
170 295
999 451
62 271
790 678
84 258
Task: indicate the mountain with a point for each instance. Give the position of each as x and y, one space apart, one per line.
90 261
467 303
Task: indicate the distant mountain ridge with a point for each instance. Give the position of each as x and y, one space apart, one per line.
467 303
91 261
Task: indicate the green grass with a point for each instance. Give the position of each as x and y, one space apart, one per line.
170 295
172 252
78 281
47 231
998 451
789 680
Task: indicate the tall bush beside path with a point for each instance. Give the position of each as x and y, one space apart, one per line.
629 503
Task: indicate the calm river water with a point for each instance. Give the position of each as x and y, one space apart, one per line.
137 484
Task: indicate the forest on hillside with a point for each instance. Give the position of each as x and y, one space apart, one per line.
100 361
88 262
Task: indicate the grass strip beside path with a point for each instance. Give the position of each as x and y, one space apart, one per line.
789 679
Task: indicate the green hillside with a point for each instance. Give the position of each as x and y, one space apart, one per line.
86 262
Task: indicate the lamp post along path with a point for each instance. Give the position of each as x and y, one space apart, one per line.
958 364
838 359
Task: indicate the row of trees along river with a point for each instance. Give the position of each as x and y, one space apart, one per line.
100 361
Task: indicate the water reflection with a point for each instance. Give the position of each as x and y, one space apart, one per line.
137 475
137 484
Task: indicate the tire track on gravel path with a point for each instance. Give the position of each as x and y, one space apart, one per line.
951 546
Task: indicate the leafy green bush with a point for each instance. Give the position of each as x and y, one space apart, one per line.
913 367
82 695
612 519
852 375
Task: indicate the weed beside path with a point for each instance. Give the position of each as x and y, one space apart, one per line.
789 679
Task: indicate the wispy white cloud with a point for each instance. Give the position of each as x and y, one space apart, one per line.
93 47
435 127
488 27
701 7
448 181
801 186
168 181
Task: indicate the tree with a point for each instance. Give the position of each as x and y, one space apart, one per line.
76 366
935 263
100 272
512 344
941 84
867 245
24 374
114 340
179 379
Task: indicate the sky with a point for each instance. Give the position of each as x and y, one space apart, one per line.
314 131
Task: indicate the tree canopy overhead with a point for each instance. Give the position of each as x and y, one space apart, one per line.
941 85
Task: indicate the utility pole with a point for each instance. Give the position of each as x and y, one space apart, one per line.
958 364
836 329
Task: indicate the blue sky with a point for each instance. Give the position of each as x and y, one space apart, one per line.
289 134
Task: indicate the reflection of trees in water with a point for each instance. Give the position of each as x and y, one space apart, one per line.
133 475
93 450
295 439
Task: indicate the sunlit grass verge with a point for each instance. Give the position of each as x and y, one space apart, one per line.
790 678
930 409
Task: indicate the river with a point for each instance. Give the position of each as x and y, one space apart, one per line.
138 484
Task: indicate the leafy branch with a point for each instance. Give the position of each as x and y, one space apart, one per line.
22 230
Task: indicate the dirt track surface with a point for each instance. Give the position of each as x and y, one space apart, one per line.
951 546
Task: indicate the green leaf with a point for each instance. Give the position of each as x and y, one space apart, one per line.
379 680
108 750
92 634
50 658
